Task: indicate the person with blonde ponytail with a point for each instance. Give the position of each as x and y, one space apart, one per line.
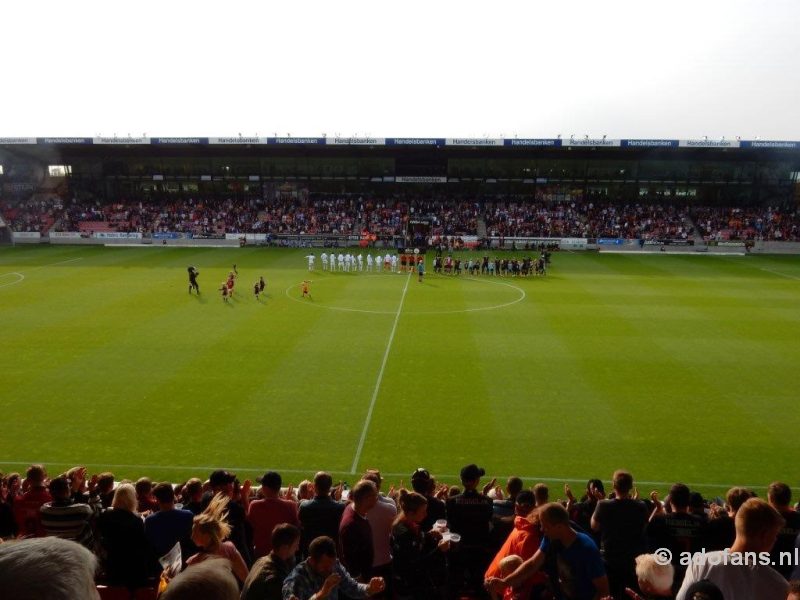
210 531
417 554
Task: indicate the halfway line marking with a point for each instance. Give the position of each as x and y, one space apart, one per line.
380 379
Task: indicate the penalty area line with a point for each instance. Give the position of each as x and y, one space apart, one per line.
368 419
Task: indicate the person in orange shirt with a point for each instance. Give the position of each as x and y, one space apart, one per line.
306 292
523 541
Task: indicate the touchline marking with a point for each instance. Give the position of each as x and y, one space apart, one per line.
380 378
210 468
781 274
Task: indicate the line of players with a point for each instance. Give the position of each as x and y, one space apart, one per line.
347 263
503 267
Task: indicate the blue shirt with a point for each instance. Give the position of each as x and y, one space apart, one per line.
578 564
164 528
421 267
303 582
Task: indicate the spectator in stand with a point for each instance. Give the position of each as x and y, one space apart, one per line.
145 502
322 515
505 507
210 532
655 579
270 510
26 507
523 541
210 580
470 515
305 490
581 512
265 581
720 529
126 556
621 523
193 496
794 590
381 518
79 490
169 525
48 568
739 574
67 519
677 529
779 496
8 526
105 489
419 572
241 535
423 483
541 493
581 574
322 577
355 533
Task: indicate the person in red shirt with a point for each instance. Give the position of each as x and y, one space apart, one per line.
269 511
26 507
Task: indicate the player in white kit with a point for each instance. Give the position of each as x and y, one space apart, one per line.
324 258
311 258
369 263
360 262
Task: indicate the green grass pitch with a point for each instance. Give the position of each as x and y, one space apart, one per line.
676 367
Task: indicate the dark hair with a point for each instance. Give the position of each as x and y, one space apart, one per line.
59 487
623 481
35 474
284 534
541 492
143 486
514 485
105 482
322 546
322 483
738 496
779 493
526 498
374 477
680 495
164 493
411 501
272 481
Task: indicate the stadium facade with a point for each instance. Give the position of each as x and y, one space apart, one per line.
706 172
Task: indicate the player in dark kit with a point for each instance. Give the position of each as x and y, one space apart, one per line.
256 289
261 284
193 273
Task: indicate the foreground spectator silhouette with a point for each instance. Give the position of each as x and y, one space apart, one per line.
211 580
321 515
47 568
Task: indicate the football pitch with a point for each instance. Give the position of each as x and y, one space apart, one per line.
676 367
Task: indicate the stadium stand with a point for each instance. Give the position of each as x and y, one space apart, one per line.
430 560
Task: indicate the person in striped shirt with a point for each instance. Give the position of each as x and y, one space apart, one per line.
66 519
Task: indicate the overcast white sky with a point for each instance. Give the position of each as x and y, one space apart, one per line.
627 68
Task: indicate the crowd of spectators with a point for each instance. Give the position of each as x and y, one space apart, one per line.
540 216
431 541
772 224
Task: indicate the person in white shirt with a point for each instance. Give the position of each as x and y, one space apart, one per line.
738 571
341 261
310 258
387 263
369 263
360 262
324 258
394 263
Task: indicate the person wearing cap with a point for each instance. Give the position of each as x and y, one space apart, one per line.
423 483
267 512
470 514
222 482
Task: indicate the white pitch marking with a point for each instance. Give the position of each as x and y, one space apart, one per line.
781 274
380 378
20 277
